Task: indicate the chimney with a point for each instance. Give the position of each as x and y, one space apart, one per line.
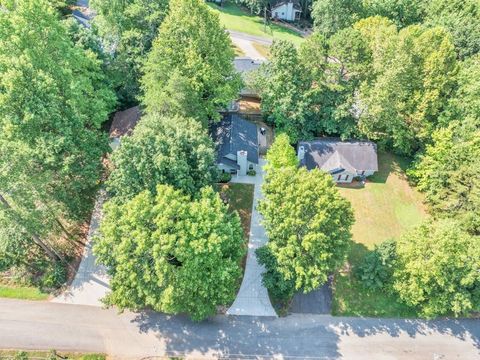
242 162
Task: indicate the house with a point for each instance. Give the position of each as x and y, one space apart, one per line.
236 142
288 10
344 160
123 124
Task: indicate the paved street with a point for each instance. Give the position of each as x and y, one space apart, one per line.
252 298
44 325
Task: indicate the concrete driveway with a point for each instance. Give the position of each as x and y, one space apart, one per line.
90 284
252 298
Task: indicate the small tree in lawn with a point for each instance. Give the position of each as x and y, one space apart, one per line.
308 223
437 269
171 253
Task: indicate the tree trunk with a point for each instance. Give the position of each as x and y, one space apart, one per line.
36 239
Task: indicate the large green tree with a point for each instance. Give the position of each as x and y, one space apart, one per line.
284 87
162 150
171 253
407 84
281 153
308 224
331 16
53 101
437 269
462 19
128 29
192 43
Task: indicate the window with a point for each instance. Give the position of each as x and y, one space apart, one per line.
363 172
250 167
346 177
339 177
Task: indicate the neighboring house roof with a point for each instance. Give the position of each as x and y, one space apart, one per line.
336 156
245 64
296 4
234 134
124 122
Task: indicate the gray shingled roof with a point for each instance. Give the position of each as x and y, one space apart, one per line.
334 155
234 134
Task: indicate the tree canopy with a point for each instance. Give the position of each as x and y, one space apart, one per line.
192 43
308 224
162 150
281 154
437 269
171 253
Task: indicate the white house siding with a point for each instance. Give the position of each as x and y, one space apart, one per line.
284 12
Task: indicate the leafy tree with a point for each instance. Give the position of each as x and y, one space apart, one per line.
285 91
331 16
376 269
437 269
171 253
461 19
192 43
402 12
411 78
175 151
128 29
281 153
53 102
308 223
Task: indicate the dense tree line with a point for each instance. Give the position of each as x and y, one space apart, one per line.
54 98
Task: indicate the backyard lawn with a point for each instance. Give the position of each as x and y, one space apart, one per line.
236 19
27 293
240 198
385 208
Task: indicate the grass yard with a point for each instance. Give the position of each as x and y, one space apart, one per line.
26 293
240 198
385 208
236 19
264 50
238 52
37 355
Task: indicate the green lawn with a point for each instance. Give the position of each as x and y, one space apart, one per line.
236 19
240 198
33 354
385 208
27 293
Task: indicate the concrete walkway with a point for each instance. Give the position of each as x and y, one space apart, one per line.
91 281
252 298
247 47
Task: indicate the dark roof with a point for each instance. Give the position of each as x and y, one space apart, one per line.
245 64
234 134
296 4
334 155
124 122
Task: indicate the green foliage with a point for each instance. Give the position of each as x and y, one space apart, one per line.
462 19
175 151
437 269
224 177
54 99
284 90
55 275
281 154
308 223
278 286
402 12
127 29
251 172
376 270
407 85
171 253
331 16
192 44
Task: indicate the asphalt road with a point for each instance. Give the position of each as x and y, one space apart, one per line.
43 325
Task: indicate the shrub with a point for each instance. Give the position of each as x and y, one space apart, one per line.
224 177
251 172
376 270
54 277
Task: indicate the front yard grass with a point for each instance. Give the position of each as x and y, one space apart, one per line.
22 292
236 19
385 208
240 199
37 355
